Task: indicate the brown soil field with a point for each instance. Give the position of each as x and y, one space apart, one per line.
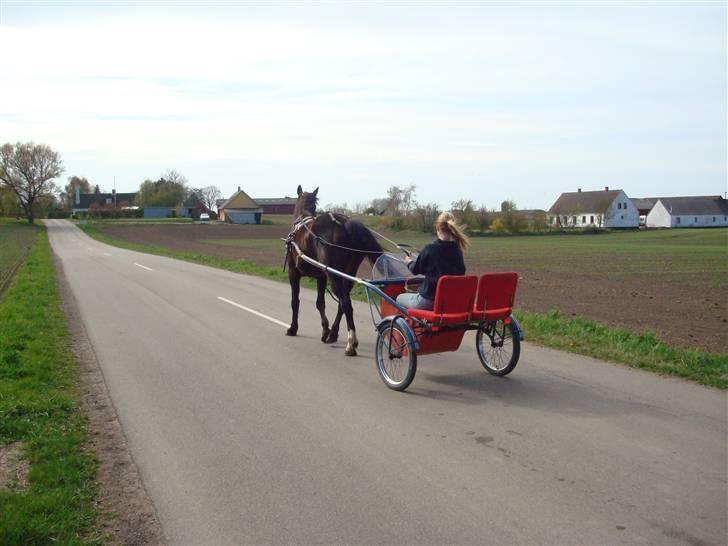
686 310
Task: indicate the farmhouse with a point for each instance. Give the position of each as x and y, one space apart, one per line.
84 201
240 209
608 209
696 211
276 205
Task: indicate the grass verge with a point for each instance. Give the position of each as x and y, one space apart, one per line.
642 350
40 405
636 349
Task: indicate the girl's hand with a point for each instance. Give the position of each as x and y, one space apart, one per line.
407 259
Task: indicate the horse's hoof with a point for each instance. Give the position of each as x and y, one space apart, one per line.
332 338
350 352
291 331
325 336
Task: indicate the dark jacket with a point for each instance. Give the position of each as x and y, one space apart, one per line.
437 259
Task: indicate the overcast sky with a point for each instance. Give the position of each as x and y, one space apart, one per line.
485 101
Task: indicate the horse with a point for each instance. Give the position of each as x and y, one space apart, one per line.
338 242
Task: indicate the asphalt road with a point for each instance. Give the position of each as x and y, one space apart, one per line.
243 435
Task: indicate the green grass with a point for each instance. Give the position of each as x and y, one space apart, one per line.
16 239
40 406
638 350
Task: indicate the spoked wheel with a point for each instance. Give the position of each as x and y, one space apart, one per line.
499 346
396 360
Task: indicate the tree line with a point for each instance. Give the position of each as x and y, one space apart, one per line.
28 187
400 210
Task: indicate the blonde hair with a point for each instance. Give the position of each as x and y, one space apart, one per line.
446 222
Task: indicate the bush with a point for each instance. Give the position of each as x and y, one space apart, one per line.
58 214
498 226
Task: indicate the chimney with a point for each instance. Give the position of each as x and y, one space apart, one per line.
238 188
78 195
579 190
606 188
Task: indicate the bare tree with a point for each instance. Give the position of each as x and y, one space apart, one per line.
400 200
209 196
28 169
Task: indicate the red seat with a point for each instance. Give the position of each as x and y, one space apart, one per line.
496 295
454 297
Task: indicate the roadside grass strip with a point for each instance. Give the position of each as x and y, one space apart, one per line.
40 411
643 350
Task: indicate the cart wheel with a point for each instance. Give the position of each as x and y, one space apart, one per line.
498 347
396 359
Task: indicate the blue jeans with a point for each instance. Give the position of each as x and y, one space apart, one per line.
413 300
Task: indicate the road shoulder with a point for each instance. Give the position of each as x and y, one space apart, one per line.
127 513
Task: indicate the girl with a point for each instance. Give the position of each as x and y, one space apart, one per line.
444 256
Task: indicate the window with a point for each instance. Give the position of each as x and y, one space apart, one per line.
714 219
591 219
677 220
583 219
696 219
619 205
573 218
621 217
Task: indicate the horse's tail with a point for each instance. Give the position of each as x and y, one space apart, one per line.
363 239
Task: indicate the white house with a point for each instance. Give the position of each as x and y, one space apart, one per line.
697 211
605 209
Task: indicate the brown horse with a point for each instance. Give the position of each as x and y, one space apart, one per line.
338 242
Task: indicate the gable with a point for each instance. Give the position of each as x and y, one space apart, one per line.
584 202
240 200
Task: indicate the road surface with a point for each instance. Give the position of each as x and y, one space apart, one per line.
244 435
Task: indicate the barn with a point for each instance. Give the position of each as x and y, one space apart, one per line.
276 205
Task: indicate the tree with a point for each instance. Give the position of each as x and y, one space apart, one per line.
513 221
209 196
426 216
169 191
28 169
8 202
400 201
69 190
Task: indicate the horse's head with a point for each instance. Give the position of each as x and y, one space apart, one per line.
306 203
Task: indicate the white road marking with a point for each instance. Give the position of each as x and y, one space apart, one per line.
89 248
254 312
143 266
107 254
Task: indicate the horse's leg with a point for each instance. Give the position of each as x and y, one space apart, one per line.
321 306
352 342
294 277
336 286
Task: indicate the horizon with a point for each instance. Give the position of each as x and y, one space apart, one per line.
488 102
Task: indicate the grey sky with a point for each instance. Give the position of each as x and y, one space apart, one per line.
486 101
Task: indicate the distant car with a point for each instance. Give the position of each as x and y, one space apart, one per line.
204 217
